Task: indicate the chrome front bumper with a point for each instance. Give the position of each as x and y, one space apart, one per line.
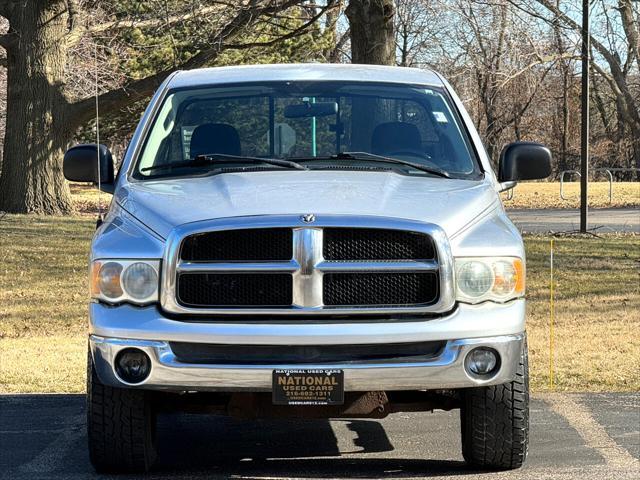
442 372
500 327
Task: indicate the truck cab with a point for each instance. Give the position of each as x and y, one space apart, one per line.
306 241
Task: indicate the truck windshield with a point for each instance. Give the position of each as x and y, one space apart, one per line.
316 124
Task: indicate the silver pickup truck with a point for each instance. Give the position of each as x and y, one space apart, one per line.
306 241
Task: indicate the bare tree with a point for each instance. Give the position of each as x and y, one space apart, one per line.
44 114
507 63
565 66
615 57
415 27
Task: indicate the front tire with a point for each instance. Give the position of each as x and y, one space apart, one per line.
121 426
495 422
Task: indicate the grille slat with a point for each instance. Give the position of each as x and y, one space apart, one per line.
377 288
376 244
257 244
235 290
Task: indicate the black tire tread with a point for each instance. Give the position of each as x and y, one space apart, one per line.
495 422
120 427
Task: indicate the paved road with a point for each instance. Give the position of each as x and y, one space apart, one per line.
601 220
583 437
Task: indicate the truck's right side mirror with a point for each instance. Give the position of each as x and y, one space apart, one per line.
524 161
81 164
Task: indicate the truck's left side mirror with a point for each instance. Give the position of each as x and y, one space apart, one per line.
87 163
524 161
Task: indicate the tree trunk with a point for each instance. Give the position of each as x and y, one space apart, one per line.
41 119
565 69
37 129
372 36
372 42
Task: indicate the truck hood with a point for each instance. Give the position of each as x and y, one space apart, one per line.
163 204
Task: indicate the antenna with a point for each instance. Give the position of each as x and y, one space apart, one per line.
100 217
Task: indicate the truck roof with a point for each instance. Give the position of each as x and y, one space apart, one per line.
304 72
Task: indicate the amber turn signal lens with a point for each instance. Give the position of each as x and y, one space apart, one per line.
94 288
109 282
518 266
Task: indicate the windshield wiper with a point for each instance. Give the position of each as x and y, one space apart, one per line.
382 159
214 158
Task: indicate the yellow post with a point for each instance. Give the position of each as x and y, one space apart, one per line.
551 321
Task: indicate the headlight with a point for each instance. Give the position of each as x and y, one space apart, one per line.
489 278
116 281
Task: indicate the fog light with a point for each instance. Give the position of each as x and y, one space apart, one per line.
482 361
132 365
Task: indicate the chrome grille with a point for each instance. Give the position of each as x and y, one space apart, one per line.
379 289
253 244
376 244
233 289
335 265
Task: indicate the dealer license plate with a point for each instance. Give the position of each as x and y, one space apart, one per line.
308 387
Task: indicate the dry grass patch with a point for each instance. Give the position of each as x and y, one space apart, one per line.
547 195
43 275
43 364
43 307
597 327
85 198
527 195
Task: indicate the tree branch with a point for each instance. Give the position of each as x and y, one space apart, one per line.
173 19
82 110
74 37
540 61
291 34
346 36
607 77
153 22
630 29
617 74
76 26
600 105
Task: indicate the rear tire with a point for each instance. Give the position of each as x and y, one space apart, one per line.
495 422
121 425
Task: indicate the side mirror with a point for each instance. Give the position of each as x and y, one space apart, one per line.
524 161
81 165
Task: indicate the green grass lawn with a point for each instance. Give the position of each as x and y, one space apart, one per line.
43 307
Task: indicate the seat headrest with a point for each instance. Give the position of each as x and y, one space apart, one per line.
214 138
395 137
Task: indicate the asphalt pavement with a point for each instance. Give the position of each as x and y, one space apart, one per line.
576 436
555 220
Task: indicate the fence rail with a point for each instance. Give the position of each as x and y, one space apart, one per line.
607 170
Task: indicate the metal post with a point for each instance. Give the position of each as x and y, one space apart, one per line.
562 174
552 315
314 148
584 134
